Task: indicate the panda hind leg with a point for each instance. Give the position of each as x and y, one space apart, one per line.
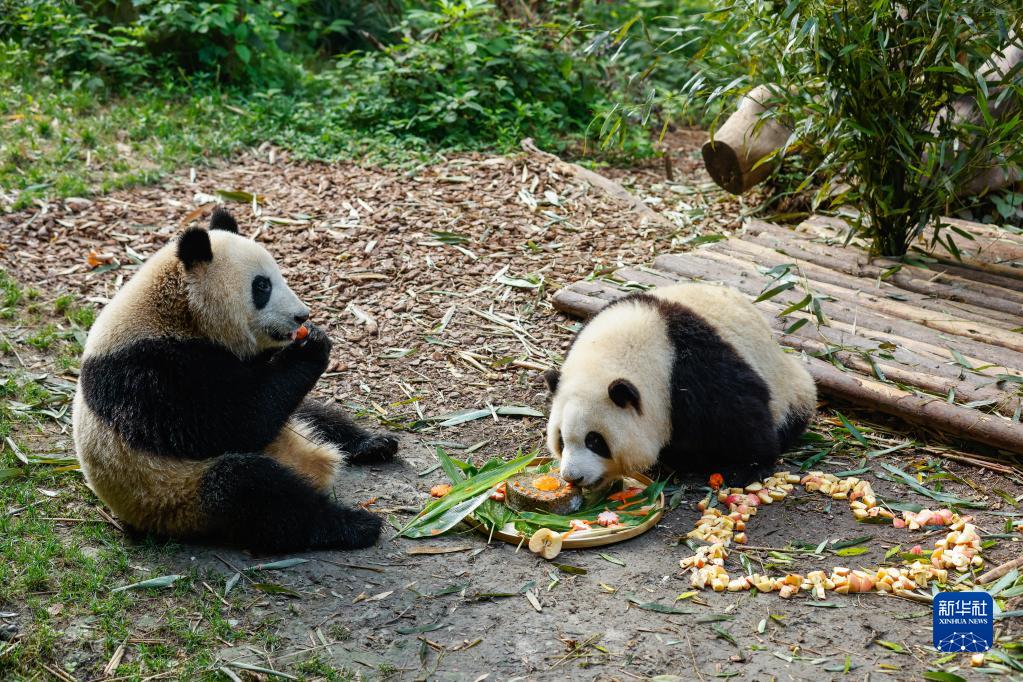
333 425
254 502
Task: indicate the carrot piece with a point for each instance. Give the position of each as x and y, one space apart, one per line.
440 490
716 481
626 494
301 333
546 483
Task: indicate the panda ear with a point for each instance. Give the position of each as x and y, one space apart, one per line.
221 219
552 377
194 247
623 393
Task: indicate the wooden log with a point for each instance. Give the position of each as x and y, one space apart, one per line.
743 277
904 376
765 256
935 283
910 354
993 430
830 228
577 304
734 150
942 322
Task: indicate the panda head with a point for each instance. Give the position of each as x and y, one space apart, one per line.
235 289
598 429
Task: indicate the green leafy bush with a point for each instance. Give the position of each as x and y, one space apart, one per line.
461 74
114 42
863 86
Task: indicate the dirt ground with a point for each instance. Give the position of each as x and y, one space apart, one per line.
435 284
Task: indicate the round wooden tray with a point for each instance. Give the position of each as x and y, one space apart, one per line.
613 536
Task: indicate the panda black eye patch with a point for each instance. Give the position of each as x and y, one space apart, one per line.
596 444
261 288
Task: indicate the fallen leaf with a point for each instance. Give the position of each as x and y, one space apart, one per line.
438 550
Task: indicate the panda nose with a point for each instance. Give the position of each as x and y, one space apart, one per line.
300 319
574 481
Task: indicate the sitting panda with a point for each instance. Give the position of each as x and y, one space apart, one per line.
687 375
191 418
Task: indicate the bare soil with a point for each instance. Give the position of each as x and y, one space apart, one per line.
425 279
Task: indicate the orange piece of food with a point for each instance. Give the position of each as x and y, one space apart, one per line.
626 494
546 483
301 333
716 481
440 490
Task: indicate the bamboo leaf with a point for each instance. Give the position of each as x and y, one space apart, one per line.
152 583
443 514
283 563
658 608
274 588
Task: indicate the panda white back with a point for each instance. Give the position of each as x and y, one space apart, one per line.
688 375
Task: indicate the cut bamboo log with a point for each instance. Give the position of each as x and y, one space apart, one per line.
748 136
939 386
765 257
910 354
761 255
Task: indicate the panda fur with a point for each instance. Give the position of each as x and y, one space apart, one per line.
689 376
191 418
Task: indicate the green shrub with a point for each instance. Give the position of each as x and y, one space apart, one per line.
462 73
114 42
862 85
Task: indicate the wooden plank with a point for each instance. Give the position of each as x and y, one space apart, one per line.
695 265
765 256
908 358
938 283
913 355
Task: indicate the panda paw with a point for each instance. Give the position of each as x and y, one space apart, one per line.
374 448
360 529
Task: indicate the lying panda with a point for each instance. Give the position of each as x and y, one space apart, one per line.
191 418
687 375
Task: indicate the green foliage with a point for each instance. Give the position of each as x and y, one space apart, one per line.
862 85
463 74
111 42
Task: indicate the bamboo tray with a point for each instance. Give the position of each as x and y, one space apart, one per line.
605 537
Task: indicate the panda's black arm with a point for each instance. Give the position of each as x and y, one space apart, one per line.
194 399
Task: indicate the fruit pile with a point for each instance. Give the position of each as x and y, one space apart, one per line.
960 549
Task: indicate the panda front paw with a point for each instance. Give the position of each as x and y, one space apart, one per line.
361 529
374 448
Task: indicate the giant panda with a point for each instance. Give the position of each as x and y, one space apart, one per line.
688 376
191 418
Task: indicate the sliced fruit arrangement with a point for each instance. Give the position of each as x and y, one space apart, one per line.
959 549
